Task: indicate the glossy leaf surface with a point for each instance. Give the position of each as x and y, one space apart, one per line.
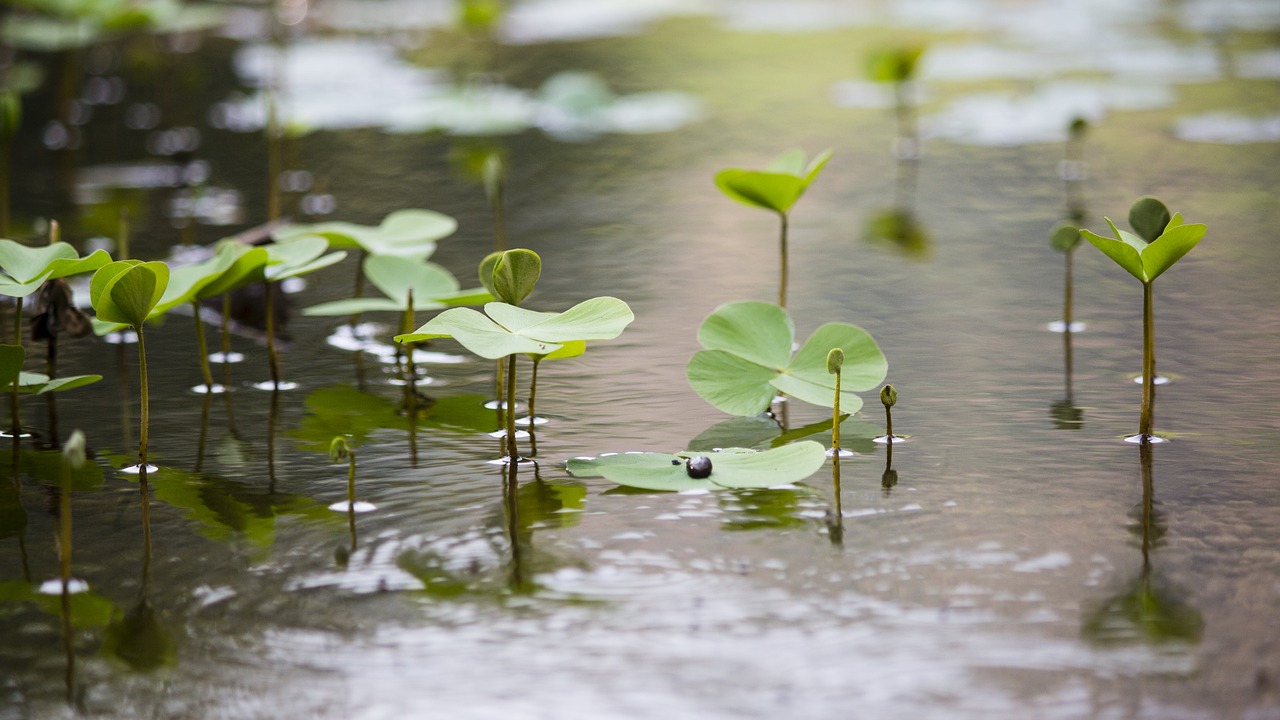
505 329
1147 261
126 291
410 233
776 188
27 268
748 360
433 288
734 468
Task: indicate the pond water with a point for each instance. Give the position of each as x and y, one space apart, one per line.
1014 559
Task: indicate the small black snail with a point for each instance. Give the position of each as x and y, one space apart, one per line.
698 467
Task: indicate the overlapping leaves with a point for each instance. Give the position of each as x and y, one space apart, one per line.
432 287
748 360
1164 240
504 329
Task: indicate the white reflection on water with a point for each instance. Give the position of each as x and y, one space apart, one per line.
1228 128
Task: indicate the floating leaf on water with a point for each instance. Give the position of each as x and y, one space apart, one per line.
731 468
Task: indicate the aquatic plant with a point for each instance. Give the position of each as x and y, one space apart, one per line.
126 291
748 360
505 330
732 468
405 282
339 450
26 269
1160 242
835 361
889 398
1065 239
288 260
776 188
897 66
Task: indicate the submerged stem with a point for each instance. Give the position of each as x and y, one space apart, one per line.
782 276
1147 419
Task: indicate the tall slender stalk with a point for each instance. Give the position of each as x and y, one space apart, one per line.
411 381
1147 419
835 420
273 359
782 277
533 395
511 409
146 404
358 291
14 412
202 346
1067 309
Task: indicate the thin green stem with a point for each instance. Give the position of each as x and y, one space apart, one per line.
1147 419
533 395
271 333
14 412
511 408
888 423
499 223
203 348
351 479
146 402
358 291
835 420
1066 300
225 341
64 525
6 147
782 273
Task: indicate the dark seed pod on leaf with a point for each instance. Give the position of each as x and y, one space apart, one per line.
698 467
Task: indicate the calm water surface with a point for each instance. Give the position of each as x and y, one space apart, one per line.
1006 573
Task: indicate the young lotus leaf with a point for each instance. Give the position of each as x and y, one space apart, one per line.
432 286
778 186
1149 217
11 360
28 268
404 233
1064 238
514 275
507 329
126 291
733 468
747 360
1148 260
299 257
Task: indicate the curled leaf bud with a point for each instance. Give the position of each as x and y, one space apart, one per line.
698 467
888 396
835 360
339 449
73 453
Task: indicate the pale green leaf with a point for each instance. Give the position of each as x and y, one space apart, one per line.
24 264
1167 249
731 383
477 333
1121 252
734 468
756 331
600 318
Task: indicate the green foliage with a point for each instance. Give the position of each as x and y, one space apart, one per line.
747 360
27 268
505 329
778 186
1064 237
299 257
345 410
515 272
737 468
126 291
762 432
408 233
1144 259
11 360
894 65
432 286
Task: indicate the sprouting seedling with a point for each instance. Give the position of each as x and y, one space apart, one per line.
125 291
888 398
339 450
1065 239
505 330
897 66
26 269
1160 242
775 188
410 233
835 361
748 360
284 261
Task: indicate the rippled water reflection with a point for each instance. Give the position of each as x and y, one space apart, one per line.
1013 560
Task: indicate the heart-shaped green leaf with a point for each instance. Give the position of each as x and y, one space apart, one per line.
776 188
734 468
1147 261
748 360
506 329
1064 238
248 264
514 275
126 291
27 268
40 384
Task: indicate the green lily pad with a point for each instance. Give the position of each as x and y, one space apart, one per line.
28 268
299 257
747 360
777 187
733 468
410 233
126 291
433 288
507 329
1148 260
